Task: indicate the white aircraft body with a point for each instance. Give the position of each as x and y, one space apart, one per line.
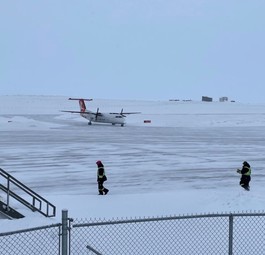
112 117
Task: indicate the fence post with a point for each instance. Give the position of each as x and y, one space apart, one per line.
64 232
230 234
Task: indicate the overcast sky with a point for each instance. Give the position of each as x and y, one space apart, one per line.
134 49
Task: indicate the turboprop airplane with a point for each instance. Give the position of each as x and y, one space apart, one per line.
112 117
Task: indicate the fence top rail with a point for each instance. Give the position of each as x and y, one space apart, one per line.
30 229
100 222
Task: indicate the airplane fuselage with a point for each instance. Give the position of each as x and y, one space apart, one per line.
103 118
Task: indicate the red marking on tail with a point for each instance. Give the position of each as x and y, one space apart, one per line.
82 105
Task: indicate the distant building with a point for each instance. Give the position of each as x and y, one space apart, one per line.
223 99
207 99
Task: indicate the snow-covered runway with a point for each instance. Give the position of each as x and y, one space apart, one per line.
184 160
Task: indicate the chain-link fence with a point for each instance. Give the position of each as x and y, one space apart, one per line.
232 234
235 234
40 241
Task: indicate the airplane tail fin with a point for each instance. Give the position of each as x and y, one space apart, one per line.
81 103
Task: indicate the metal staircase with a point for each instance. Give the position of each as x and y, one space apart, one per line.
27 197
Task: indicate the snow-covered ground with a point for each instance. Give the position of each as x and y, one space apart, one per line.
183 162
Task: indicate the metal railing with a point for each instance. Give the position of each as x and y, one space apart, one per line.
31 199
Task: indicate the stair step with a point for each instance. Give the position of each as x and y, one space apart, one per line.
9 212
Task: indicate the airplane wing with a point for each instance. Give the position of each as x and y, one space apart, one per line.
122 113
73 111
93 113
127 113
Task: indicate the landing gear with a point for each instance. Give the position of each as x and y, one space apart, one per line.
89 123
122 125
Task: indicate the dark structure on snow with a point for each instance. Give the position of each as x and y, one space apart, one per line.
207 99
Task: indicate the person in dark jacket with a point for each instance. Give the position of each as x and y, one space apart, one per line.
101 178
245 175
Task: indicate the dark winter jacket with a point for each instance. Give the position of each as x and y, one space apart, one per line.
101 173
246 169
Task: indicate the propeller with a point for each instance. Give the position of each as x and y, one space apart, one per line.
121 113
97 113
